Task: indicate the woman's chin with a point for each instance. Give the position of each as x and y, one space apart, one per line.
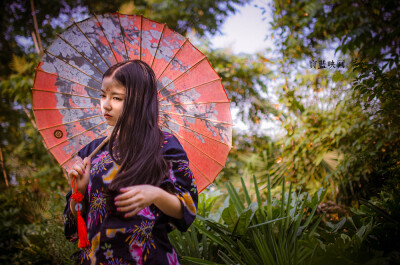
110 123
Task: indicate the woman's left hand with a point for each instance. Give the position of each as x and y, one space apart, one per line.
134 198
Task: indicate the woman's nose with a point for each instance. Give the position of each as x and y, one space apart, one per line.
106 104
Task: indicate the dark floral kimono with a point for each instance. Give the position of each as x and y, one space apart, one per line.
140 239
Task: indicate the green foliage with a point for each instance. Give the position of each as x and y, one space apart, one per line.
31 228
275 231
194 245
243 77
341 125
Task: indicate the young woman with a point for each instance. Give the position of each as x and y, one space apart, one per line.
138 187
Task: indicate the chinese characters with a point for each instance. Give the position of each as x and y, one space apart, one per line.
323 64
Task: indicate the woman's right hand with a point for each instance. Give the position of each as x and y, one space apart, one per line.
81 170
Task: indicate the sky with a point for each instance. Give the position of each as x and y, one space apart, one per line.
244 32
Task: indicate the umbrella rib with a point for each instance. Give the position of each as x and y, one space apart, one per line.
206 83
74 154
158 46
194 103
76 135
63 108
63 93
67 42
219 141
87 118
104 34
55 56
91 44
192 163
201 151
140 46
173 57
123 35
37 69
193 66
190 116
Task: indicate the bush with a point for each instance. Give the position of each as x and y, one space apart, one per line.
31 227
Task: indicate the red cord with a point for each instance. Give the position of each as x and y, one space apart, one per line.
82 231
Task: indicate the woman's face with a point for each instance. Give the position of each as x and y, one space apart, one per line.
112 100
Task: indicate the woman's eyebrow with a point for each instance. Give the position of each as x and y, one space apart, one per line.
113 93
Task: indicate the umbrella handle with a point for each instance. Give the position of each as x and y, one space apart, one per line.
99 147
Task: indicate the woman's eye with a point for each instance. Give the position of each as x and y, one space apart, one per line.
102 95
119 99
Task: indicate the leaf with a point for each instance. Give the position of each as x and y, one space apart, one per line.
339 225
198 261
229 215
243 222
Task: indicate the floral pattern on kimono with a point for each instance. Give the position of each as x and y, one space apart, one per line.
140 239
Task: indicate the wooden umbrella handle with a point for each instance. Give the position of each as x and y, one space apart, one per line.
99 147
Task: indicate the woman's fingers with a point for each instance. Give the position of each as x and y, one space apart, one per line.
78 167
127 208
134 212
129 201
74 172
130 192
86 163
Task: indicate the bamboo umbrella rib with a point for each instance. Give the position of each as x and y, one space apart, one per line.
63 93
158 45
76 135
183 126
173 57
140 44
105 36
74 154
180 92
201 151
67 79
67 42
194 103
200 118
191 163
55 56
101 56
63 108
123 35
191 67
99 146
87 118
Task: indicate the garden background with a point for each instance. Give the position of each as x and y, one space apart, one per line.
322 188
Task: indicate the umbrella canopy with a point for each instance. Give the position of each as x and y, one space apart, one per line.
193 103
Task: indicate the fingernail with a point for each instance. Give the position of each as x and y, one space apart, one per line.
118 209
126 215
116 199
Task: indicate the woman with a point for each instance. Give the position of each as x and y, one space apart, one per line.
140 189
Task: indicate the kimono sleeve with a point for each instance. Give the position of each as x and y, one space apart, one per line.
70 221
181 182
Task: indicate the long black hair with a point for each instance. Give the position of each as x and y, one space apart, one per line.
136 140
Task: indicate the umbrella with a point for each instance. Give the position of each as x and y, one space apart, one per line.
193 103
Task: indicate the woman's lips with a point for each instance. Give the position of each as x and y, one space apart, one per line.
107 116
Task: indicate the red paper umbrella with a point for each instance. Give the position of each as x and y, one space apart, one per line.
193 103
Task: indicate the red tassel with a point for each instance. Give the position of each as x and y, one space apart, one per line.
82 232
